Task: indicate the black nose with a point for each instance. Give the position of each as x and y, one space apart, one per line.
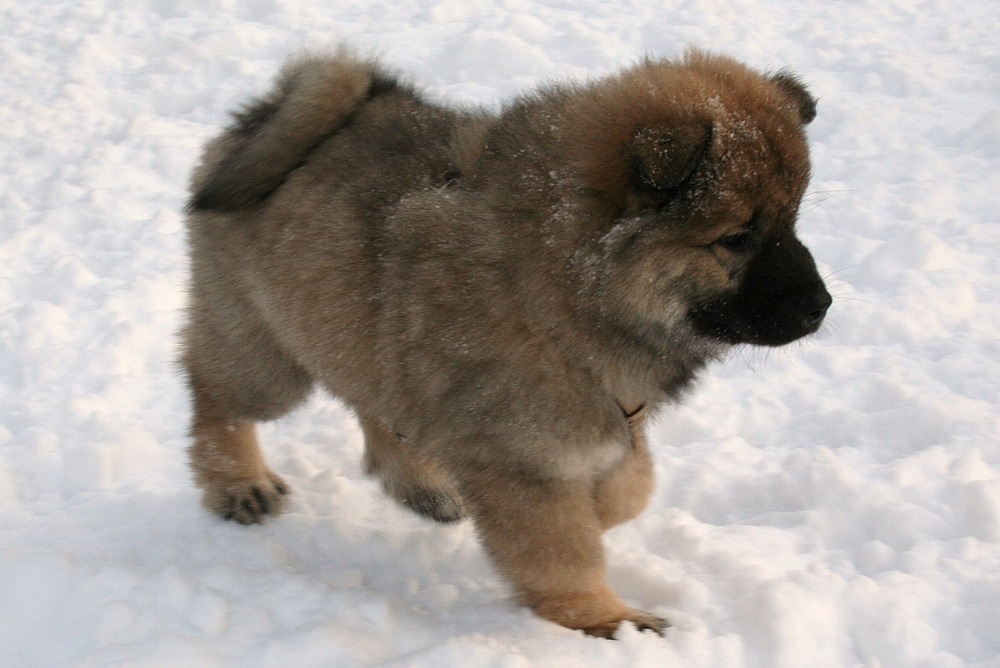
816 305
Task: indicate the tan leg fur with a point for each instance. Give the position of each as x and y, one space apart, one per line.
546 539
230 469
624 492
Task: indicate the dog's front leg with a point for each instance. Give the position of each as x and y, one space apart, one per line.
545 537
623 492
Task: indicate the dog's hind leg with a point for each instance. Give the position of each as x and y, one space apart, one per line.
411 477
238 375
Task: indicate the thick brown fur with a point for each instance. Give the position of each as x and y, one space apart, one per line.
500 298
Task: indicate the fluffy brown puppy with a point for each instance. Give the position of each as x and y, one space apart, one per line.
500 298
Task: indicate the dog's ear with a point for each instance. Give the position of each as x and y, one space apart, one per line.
663 158
792 86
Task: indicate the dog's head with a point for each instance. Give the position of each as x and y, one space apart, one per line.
700 166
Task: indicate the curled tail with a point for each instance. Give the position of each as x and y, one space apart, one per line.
313 97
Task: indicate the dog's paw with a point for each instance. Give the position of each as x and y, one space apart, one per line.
642 620
433 504
247 501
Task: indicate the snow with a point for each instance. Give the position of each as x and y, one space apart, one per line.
833 503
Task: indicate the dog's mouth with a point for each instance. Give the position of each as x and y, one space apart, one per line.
780 299
763 320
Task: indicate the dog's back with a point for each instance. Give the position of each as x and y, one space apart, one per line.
343 140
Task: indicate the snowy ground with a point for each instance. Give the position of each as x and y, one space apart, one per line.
835 503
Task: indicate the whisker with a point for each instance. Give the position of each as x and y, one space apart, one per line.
843 298
834 273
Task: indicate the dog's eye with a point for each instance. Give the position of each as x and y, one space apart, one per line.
738 242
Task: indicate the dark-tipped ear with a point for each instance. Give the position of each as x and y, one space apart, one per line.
662 158
792 86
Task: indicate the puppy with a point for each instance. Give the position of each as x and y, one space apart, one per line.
501 298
